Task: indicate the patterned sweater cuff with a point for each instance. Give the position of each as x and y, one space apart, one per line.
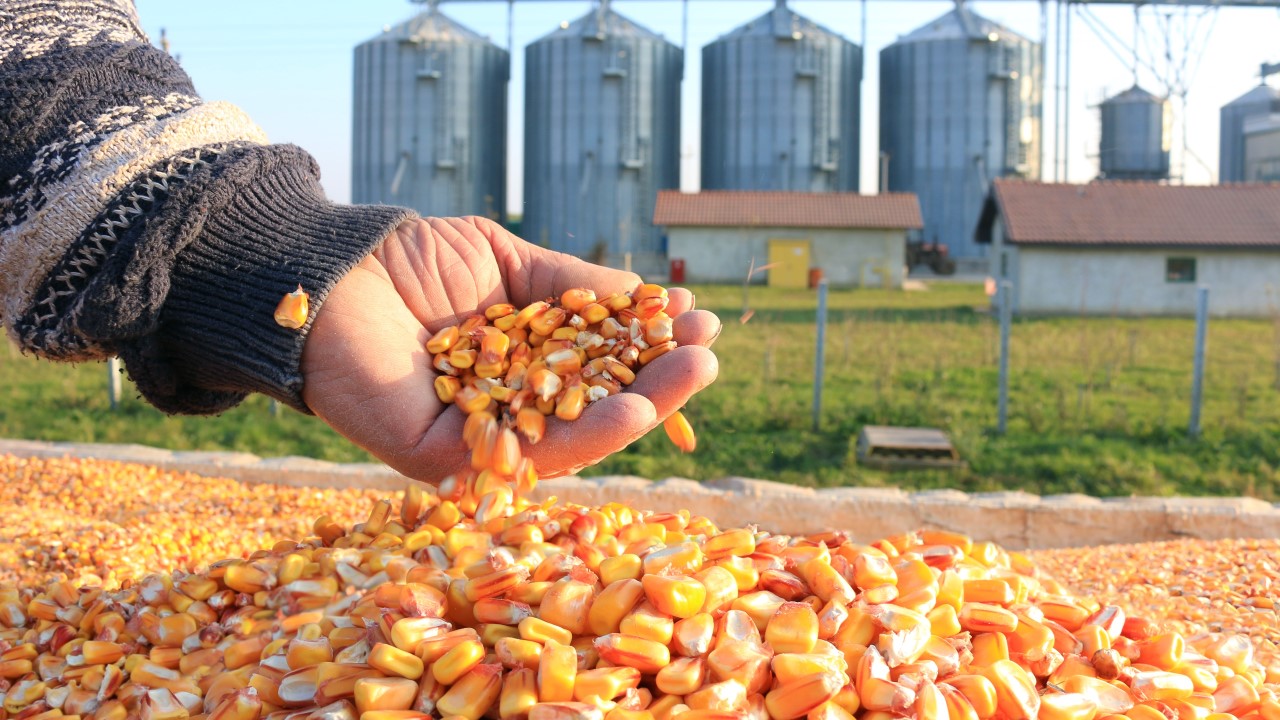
263 229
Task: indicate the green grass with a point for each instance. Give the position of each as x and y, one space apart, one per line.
1098 405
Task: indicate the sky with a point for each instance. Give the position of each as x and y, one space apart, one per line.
288 63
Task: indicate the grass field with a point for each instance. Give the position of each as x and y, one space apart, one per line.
1098 405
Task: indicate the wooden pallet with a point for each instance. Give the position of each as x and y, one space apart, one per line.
905 447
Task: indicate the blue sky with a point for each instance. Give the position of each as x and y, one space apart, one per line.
288 62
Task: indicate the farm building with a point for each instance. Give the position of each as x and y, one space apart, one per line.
851 239
1135 248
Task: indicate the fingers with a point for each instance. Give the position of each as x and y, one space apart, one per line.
696 327
672 379
679 300
440 452
574 273
605 427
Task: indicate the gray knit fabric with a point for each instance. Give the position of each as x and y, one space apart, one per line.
137 220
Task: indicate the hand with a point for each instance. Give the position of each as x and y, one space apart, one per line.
369 376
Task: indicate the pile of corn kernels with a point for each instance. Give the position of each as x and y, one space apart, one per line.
559 611
95 520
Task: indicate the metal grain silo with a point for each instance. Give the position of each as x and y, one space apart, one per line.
780 107
429 119
1262 100
1135 136
602 136
960 104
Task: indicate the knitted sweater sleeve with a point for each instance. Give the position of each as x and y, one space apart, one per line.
137 220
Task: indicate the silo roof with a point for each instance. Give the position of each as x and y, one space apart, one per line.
960 23
601 23
430 26
753 208
781 22
1134 94
1259 94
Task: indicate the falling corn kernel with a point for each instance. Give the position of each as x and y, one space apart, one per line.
680 432
293 309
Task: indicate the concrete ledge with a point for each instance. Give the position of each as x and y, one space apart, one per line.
1016 520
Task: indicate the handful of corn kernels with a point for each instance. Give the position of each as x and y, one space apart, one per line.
509 369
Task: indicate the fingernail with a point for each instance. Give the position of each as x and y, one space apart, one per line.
712 341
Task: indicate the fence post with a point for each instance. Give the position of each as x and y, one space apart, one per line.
113 382
1197 371
1006 319
819 356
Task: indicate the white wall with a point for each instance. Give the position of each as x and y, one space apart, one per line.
846 257
1132 282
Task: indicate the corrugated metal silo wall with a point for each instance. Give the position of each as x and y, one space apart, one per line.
440 107
602 136
1132 145
1231 136
952 119
781 114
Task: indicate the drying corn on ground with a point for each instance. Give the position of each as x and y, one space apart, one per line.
589 613
476 602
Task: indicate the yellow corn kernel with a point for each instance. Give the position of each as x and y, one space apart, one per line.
626 566
1016 695
557 669
989 648
646 656
788 667
1164 651
743 570
646 621
293 309
394 661
1067 706
682 557
458 661
540 631
759 606
384 694
473 693
1160 685
675 595
793 628
825 582
981 617
692 636
613 604
519 693
604 683
680 432
799 697
979 691
992 591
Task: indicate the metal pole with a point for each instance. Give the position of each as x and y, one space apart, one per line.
819 359
1197 370
1066 102
511 24
113 382
1057 91
684 26
1006 319
1044 70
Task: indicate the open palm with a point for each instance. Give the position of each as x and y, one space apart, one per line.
368 375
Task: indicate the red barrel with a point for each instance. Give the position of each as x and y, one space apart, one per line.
677 270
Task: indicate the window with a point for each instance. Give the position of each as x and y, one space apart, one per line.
1180 270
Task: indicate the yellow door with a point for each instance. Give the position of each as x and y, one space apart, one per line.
788 263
